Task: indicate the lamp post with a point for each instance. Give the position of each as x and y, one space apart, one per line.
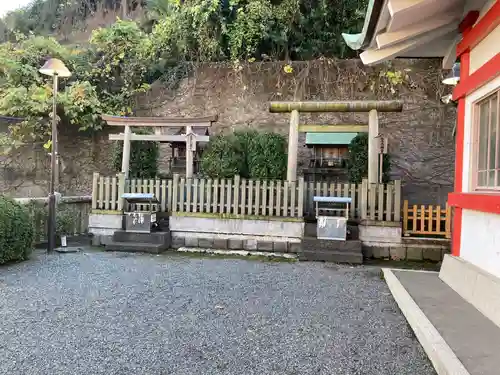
54 68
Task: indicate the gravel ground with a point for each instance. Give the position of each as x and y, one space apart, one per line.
106 313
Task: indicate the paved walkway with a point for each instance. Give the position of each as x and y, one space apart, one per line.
105 313
474 339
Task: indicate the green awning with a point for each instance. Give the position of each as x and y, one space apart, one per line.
329 138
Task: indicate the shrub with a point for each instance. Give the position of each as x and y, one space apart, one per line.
357 164
267 156
143 157
248 154
223 158
16 231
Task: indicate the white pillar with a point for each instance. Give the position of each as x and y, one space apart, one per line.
373 147
293 142
190 149
126 151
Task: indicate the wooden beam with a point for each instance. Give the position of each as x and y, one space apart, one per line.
350 106
159 121
344 128
404 12
157 138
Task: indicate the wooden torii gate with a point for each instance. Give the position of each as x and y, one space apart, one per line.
372 107
160 123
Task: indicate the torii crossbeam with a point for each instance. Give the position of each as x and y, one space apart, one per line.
159 123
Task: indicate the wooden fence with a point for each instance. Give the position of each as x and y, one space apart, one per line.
249 197
77 208
369 201
218 196
426 221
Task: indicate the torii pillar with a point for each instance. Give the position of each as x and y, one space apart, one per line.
372 107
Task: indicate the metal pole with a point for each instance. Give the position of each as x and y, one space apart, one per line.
51 235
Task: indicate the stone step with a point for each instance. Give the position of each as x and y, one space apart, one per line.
137 247
331 256
315 244
160 238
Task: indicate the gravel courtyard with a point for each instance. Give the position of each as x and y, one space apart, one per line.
106 313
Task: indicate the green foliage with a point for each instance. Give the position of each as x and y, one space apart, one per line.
65 220
16 231
223 158
143 157
267 156
357 164
248 154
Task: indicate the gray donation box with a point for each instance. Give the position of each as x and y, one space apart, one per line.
330 227
139 215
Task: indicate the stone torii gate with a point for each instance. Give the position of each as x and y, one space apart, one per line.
372 107
160 123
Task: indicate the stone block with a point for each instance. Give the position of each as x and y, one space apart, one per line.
380 252
178 242
295 247
432 254
250 245
206 243
220 243
265 245
235 244
367 252
397 252
414 253
280 246
191 242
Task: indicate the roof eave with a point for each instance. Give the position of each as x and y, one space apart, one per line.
362 40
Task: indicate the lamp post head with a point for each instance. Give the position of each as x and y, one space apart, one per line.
55 67
453 78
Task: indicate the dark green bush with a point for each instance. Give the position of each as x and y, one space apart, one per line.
223 158
357 164
248 154
143 157
16 231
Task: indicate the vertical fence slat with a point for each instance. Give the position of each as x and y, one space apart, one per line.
422 218
215 201
101 193
264 198
236 195
271 198
364 199
397 200
175 193
448 221
278 198
229 188
164 196
250 198
114 199
209 195
430 218
182 195
381 191
414 218
195 195
285 199
189 192
95 186
438 218
222 195
390 193
158 193
405 218
354 204
243 196
300 212
202 195
372 193
293 193
257 197
121 190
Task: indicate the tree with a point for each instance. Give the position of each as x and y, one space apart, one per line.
357 164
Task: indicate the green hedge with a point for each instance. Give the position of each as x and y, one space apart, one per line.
16 231
357 164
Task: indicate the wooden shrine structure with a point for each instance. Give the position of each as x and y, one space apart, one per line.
189 131
372 107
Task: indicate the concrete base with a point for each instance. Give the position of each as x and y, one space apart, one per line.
331 251
474 285
103 226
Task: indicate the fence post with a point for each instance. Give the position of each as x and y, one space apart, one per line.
95 183
397 200
175 189
448 221
301 197
121 190
364 199
405 218
236 194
